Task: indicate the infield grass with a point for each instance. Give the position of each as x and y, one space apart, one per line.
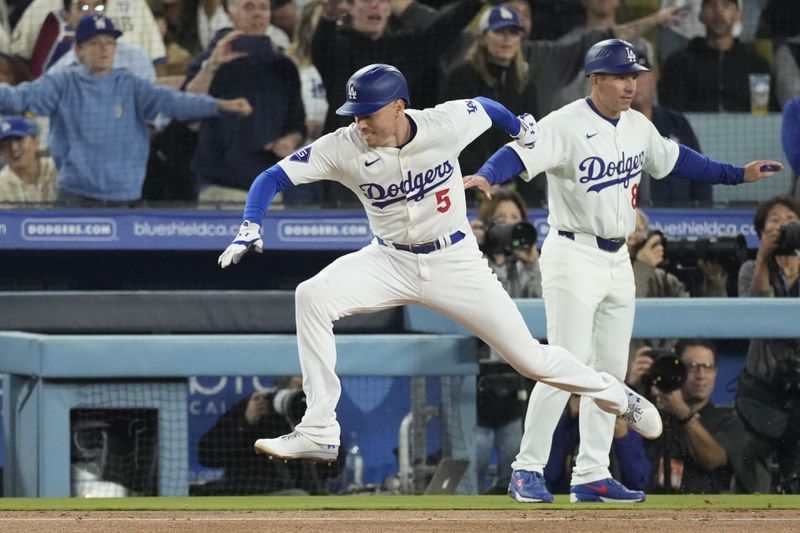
322 503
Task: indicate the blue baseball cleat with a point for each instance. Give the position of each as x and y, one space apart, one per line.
604 490
528 487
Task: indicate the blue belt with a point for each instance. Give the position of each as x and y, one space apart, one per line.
609 245
423 248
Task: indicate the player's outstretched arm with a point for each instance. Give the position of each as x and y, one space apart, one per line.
762 169
503 165
261 193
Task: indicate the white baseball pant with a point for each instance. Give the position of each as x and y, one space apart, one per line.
455 281
590 297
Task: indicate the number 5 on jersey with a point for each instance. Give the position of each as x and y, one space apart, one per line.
442 200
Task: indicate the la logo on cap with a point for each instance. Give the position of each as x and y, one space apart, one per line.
100 23
631 56
351 92
506 14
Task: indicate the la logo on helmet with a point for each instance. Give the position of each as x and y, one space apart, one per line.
351 92
631 55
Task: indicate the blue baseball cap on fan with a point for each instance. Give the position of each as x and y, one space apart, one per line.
499 17
92 25
17 127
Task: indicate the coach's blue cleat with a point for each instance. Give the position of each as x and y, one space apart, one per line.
605 490
528 487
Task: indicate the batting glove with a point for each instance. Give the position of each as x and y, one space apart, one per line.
527 131
249 237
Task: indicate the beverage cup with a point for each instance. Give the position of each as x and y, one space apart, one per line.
759 93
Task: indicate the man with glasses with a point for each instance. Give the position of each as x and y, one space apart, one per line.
699 438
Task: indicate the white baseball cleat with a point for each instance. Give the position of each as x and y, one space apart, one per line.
295 445
642 415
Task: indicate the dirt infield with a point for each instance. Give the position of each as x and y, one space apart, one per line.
539 519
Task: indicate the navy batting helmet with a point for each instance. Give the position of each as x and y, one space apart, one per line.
612 56
371 88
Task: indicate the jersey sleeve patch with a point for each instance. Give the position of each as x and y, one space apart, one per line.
302 155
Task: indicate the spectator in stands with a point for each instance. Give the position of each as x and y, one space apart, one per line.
312 89
628 462
229 445
790 137
132 16
675 191
128 56
57 34
647 253
26 177
712 73
700 440
101 150
784 24
177 24
211 17
599 15
502 392
284 16
242 62
495 68
338 51
768 398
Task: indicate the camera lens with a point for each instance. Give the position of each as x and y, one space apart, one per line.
667 372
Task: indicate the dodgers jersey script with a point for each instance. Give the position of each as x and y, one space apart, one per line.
594 167
412 194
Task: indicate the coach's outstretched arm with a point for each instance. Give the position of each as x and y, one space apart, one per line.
263 190
696 166
503 165
506 163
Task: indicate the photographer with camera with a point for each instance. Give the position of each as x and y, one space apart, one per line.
649 253
508 242
648 257
698 445
768 398
229 445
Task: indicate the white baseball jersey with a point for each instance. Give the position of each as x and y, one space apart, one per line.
412 195
594 168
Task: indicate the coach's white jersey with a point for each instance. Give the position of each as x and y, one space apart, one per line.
594 167
413 194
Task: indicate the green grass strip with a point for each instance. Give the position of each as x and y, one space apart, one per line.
320 503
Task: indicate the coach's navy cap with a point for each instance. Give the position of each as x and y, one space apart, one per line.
17 127
500 17
92 25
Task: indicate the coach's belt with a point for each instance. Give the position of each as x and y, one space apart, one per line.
609 245
425 247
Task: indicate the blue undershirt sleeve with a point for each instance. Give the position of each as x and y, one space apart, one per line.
696 166
502 166
263 190
501 117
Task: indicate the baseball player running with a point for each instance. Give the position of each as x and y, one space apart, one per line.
594 151
403 166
